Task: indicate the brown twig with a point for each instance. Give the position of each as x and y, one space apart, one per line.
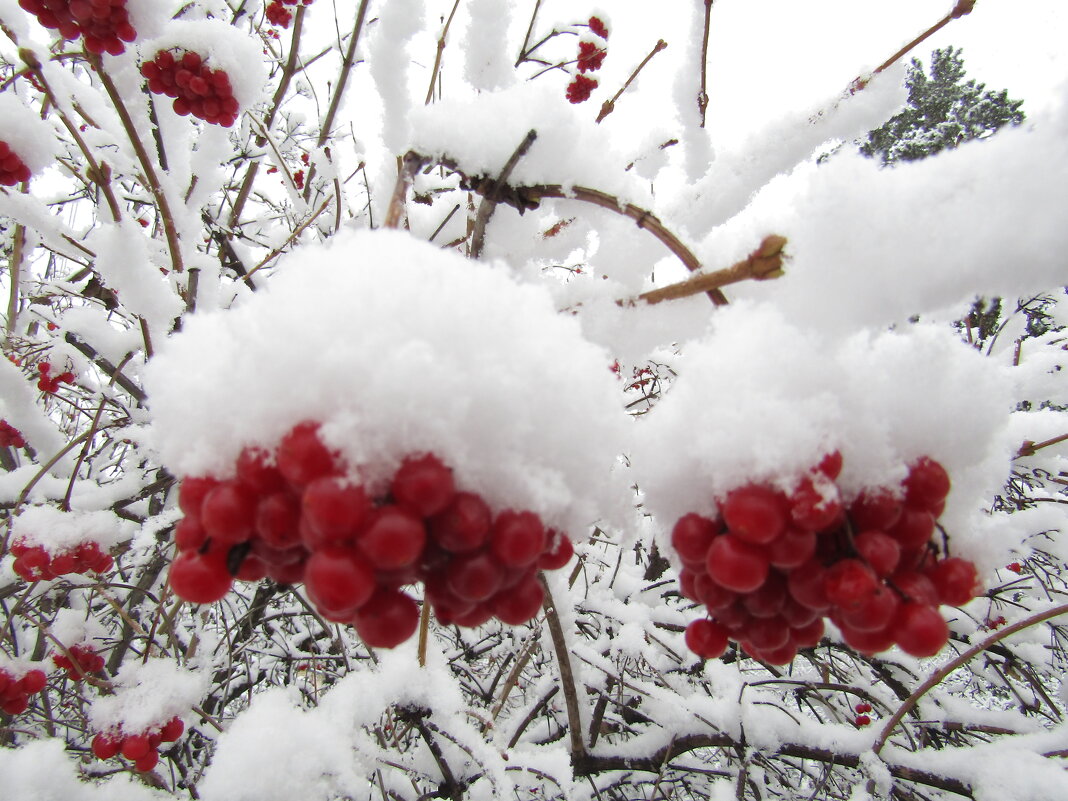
437 55
489 198
609 105
567 677
702 97
762 264
1029 448
936 678
407 168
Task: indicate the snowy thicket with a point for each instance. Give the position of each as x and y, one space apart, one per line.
175 291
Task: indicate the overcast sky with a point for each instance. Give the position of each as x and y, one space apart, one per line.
767 57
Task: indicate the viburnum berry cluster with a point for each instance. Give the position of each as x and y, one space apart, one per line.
49 382
10 437
141 748
34 563
297 515
12 168
772 565
197 89
105 24
277 13
82 661
591 55
863 718
15 691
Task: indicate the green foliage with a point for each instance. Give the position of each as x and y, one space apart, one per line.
943 110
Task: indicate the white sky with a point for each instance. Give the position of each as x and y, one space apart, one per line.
767 57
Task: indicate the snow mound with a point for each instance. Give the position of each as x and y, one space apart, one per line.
399 348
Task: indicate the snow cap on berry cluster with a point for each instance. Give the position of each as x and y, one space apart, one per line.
761 401
222 47
28 136
147 696
494 124
399 348
57 531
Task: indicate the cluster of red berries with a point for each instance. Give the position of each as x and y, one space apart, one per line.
10 437
47 382
12 169
278 14
105 24
34 563
142 748
15 692
774 564
862 719
197 89
296 516
82 661
590 58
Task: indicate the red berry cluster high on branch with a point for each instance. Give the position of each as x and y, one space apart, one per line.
47 382
197 89
12 169
105 24
10 437
34 563
15 692
141 748
82 661
772 566
297 516
590 58
277 13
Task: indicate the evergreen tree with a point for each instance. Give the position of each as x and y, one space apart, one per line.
943 110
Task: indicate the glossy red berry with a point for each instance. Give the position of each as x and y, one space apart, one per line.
339 580
106 746
335 509
464 525
881 551
387 619
424 485
849 583
302 456
394 538
920 630
755 513
875 509
200 578
558 553
956 581
736 564
927 484
228 513
517 538
519 604
706 638
692 537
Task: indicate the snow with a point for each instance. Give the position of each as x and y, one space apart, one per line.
372 335
57 531
147 695
43 772
26 133
882 400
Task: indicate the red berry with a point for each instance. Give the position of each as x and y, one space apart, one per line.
879 550
463 525
805 584
796 614
793 548
927 484
711 594
519 604
229 512
33 681
874 614
736 564
189 535
474 577
767 600
590 57
518 538
849 584
192 491
172 730
809 635
692 537
876 509
335 509
755 513
783 655
706 638
106 746
423 484
302 456
255 471
559 552
914 528
394 538
868 642
831 465
580 88
598 27
338 580
915 587
387 619
200 578
919 630
955 580
862 708
135 746
147 762
815 507
278 520
862 720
